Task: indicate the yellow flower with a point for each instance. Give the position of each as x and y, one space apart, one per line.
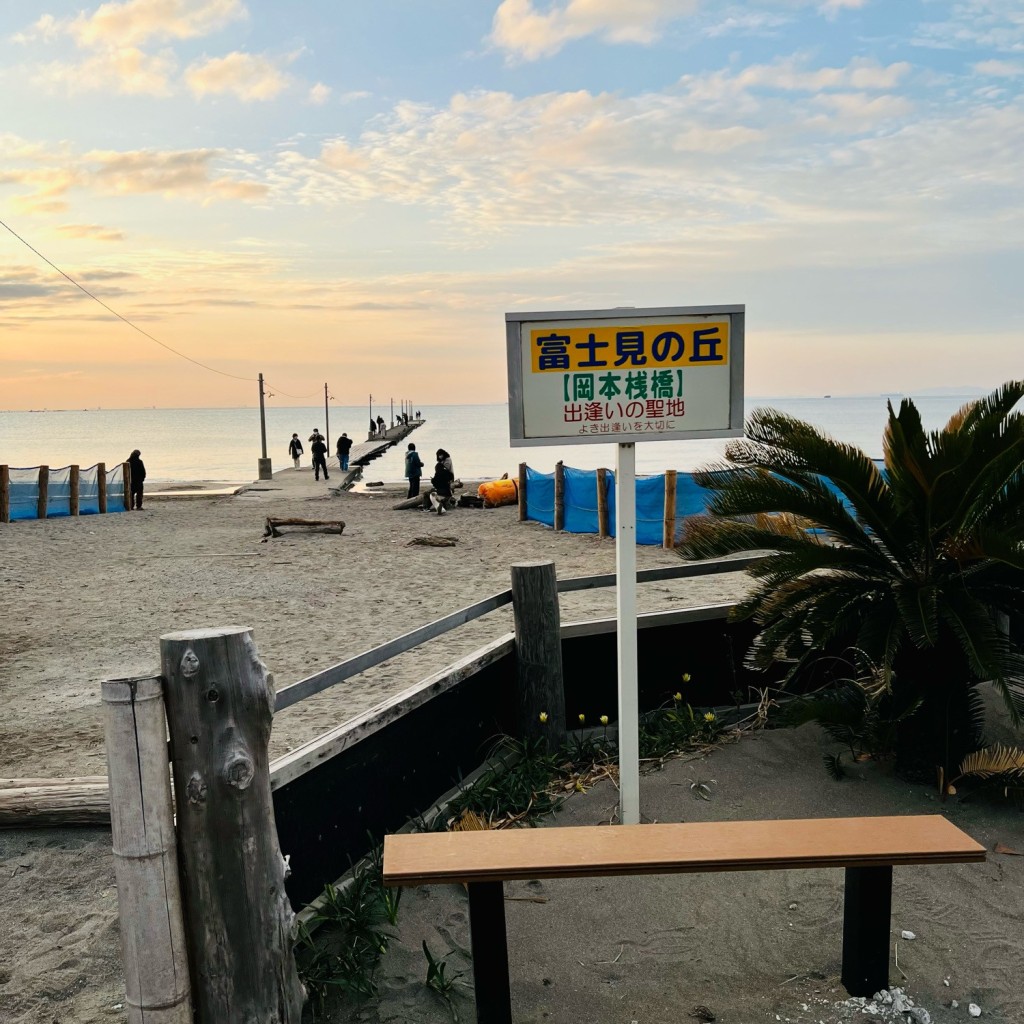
709 716
604 719
686 677
582 719
543 717
677 697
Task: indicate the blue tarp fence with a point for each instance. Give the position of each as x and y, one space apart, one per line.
24 492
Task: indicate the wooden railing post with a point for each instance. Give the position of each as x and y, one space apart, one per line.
5 494
603 527
126 479
669 537
538 653
73 490
240 925
522 492
44 491
559 495
145 858
101 486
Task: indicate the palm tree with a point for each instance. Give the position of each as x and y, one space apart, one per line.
910 566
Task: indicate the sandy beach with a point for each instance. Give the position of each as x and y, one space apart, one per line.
87 599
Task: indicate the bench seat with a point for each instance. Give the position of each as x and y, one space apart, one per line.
868 848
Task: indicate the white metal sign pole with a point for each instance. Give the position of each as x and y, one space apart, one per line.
625 599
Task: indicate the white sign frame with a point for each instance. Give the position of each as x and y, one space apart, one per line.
517 325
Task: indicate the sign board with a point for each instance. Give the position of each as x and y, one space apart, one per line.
625 375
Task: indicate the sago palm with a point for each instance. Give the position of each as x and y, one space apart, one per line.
909 566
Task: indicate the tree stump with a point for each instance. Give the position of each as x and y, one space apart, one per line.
240 924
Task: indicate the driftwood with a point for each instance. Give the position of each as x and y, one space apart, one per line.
239 922
273 526
416 502
44 802
434 542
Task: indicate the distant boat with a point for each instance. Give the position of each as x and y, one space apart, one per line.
828 396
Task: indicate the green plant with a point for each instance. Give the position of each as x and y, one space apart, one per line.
1001 765
909 564
674 727
441 981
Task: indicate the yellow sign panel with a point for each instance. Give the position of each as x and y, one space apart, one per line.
630 347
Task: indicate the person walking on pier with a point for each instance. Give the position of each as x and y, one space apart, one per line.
295 449
136 475
319 450
344 447
413 470
316 436
381 426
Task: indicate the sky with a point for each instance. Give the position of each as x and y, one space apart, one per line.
356 193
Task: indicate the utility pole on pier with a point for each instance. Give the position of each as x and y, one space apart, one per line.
327 421
264 469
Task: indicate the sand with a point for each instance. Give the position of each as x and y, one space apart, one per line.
87 599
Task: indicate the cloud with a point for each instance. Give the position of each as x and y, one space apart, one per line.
527 33
244 75
126 70
94 232
972 24
831 8
1000 68
319 94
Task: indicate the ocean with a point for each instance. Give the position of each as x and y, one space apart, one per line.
222 445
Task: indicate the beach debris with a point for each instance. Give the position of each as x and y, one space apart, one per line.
702 1013
1008 850
908 935
272 527
434 542
974 1009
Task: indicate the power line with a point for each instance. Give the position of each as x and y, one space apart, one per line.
134 326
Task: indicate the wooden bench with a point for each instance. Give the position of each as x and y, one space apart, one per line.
868 848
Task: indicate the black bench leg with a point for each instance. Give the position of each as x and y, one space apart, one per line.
866 918
490 952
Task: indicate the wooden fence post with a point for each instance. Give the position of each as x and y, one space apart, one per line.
73 484
44 491
538 652
559 495
669 538
5 494
145 859
603 526
101 485
240 925
522 492
126 477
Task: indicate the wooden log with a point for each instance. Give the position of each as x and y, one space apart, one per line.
74 490
239 923
44 491
40 803
538 653
126 481
559 495
408 503
668 540
272 525
5 494
522 492
101 485
603 525
145 853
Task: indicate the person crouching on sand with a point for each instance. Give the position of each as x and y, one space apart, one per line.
443 478
137 474
295 449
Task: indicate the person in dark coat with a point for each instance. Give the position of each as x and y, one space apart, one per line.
413 470
443 478
381 426
137 474
319 450
344 447
295 449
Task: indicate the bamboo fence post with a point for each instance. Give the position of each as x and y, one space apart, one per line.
240 925
44 492
669 539
126 479
145 858
101 485
559 495
602 503
522 492
538 652
73 483
5 494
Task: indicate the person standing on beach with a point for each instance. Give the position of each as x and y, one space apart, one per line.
319 450
344 447
443 478
295 449
413 471
136 476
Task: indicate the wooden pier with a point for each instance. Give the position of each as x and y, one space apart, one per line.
377 444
